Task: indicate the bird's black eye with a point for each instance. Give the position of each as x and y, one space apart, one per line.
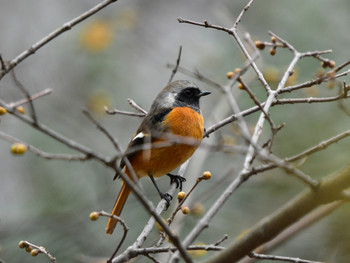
188 93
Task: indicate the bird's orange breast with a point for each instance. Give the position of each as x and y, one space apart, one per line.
181 121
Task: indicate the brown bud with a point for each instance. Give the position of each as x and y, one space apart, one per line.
21 109
325 64
22 244
2 111
185 210
259 45
273 39
332 64
94 215
181 195
197 209
34 252
206 175
230 75
28 249
273 51
18 148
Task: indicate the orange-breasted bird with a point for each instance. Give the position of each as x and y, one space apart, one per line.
175 111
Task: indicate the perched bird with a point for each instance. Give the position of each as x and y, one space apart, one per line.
174 112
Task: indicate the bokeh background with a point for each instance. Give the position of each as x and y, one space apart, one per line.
121 53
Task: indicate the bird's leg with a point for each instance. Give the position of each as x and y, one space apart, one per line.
167 197
177 179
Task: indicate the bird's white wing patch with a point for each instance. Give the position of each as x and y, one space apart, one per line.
138 136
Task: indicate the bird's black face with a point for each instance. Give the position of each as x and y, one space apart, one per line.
189 97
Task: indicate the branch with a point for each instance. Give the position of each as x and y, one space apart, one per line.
65 27
294 229
103 130
28 97
330 190
176 66
129 253
42 154
37 250
280 258
31 98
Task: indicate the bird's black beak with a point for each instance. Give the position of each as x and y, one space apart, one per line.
204 93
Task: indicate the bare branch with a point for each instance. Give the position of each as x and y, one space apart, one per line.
39 249
65 27
280 258
42 154
103 130
31 98
137 107
238 20
27 94
115 111
125 227
176 66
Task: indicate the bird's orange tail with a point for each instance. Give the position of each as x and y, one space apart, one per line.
118 207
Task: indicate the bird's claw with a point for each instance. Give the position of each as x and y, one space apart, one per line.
177 179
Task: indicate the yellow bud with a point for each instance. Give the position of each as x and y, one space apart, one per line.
331 84
2 111
21 109
240 86
18 148
34 252
22 244
94 215
185 210
259 45
237 70
230 75
181 195
197 209
28 249
206 175
273 51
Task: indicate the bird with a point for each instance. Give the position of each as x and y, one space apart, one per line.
174 112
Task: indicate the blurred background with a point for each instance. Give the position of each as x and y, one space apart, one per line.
122 52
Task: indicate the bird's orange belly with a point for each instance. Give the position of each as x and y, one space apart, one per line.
183 123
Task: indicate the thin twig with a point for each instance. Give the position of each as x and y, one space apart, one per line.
137 107
151 258
40 250
103 130
156 250
238 20
281 258
28 97
321 146
125 227
177 209
176 66
296 228
31 98
2 63
155 214
42 154
58 137
65 27
129 113
225 237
